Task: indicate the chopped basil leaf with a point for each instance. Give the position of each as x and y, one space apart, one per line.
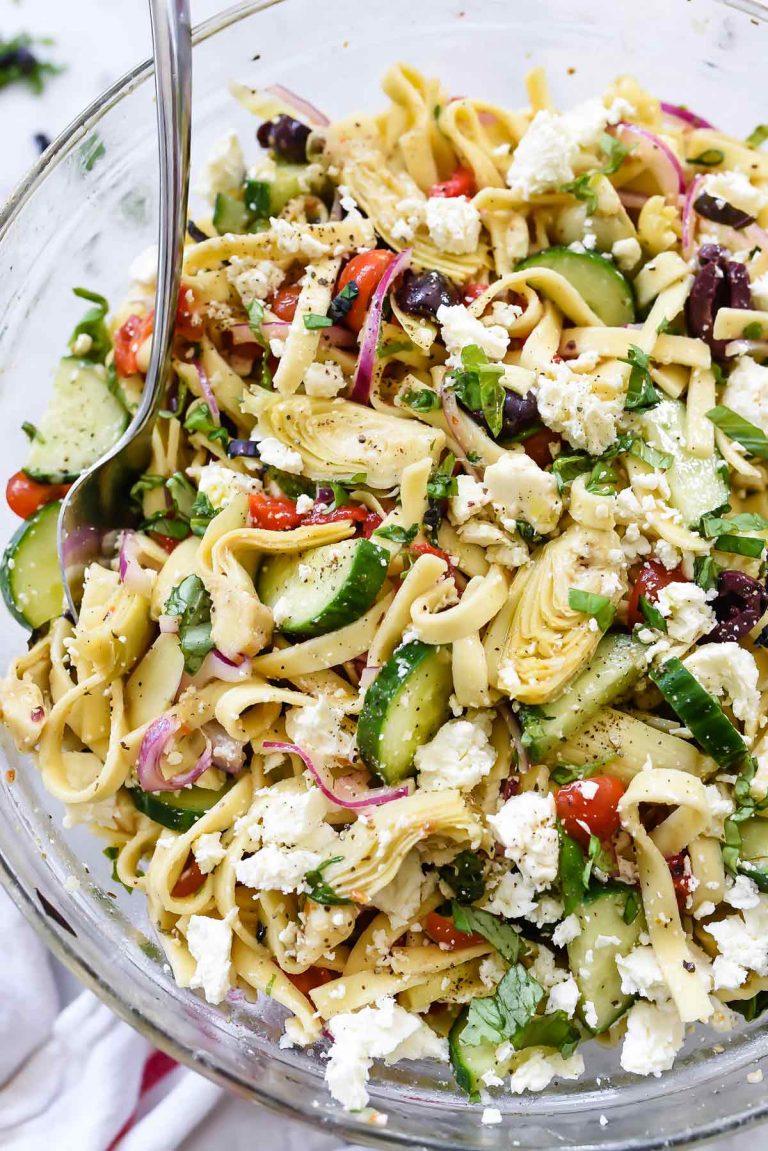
31 432
199 419
502 936
757 136
596 857
615 151
570 772
398 534
270 985
112 854
641 394
420 399
631 907
581 188
166 524
503 1016
201 514
603 480
651 456
750 546
712 525
565 469
651 614
600 607
340 304
465 875
554 1029
709 158
93 327
479 387
191 603
182 493
753 331
392 347
91 151
664 326
255 312
571 873
313 322
319 890
145 483
752 438
705 572
442 483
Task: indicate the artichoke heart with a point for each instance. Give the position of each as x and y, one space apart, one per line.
114 628
338 439
547 642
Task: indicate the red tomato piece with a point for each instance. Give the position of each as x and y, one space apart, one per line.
365 270
653 577
441 929
284 301
537 446
189 321
167 543
128 340
461 182
421 549
370 523
274 513
190 880
472 292
357 514
682 877
590 807
25 495
313 977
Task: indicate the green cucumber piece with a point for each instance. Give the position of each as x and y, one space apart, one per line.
754 838
697 486
403 708
289 181
594 967
230 215
82 421
323 589
700 713
290 485
30 579
618 662
597 280
177 810
471 1063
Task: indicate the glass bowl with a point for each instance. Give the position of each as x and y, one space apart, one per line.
79 219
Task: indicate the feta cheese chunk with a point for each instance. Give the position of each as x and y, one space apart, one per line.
641 975
279 455
459 328
567 931
742 941
627 253
459 756
520 490
254 279
563 997
403 896
685 608
224 170
221 484
454 223
513 898
276 868
526 827
325 380
210 943
727 669
655 1034
471 497
288 814
208 851
747 391
385 1031
317 727
539 1070
583 407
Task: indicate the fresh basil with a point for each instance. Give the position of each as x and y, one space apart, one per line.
752 331
651 456
465 875
709 158
712 525
93 326
571 873
442 482
182 493
651 614
191 604
631 907
570 772
145 483
750 546
199 419
751 438
757 136
705 572
201 514
641 394
112 854
314 322
479 386
502 936
420 399
554 1029
398 534
322 892
503 1015
600 607
166 524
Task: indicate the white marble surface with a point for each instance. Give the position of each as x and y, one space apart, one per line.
98 40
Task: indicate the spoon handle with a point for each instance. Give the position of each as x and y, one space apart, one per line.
172 43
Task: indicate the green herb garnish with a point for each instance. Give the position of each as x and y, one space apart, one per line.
600 607
322 892
191 604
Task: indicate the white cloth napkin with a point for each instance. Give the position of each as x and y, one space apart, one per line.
79 1079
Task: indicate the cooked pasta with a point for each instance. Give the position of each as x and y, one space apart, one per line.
428 695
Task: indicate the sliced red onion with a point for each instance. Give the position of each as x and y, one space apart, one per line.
349 791
338 337
657 156
205 387
306 110
689 218
227 754
169 624
366 360
153 745
217 666
133 576
275 329
690 119
243 448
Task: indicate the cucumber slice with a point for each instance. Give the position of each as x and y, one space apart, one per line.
471 1063
230 215
177 810
30 579
403 708
754 838
290 180
594 965
323 589
82 421
700 713
598 281
618 662
697 486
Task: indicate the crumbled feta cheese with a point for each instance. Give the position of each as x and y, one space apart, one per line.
208 851
470 498
539 1070
281 610
221 484
669 555
747 391
685 608
742 941
727 669
563 997
567 931
583 408
459 328
385 1031
318 728
454 223
325 380
294 240
520 490
742 892
224 170
720 807
547 910
411 213
210 942
641 975
279 455
513 898
502 313
288 815
655 1034
627 253
735 188
304 504
276 868
254 279
526 827
490 1116
459 755
82 345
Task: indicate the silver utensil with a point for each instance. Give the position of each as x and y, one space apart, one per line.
99 500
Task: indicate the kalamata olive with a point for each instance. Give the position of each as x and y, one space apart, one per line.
718 210
286 137
741 601
517 413
422 293
719 283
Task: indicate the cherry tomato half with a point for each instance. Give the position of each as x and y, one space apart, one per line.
653 577
128 339
371 522
682 877
167 543
461 182
313 977
441 929
189 321
274 513
537 446
472 292
356 513
25 496
365 270
190 880
284 301
590 807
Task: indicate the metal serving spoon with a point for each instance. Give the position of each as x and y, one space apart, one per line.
99 499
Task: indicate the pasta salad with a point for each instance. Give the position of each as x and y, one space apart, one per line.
427 698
